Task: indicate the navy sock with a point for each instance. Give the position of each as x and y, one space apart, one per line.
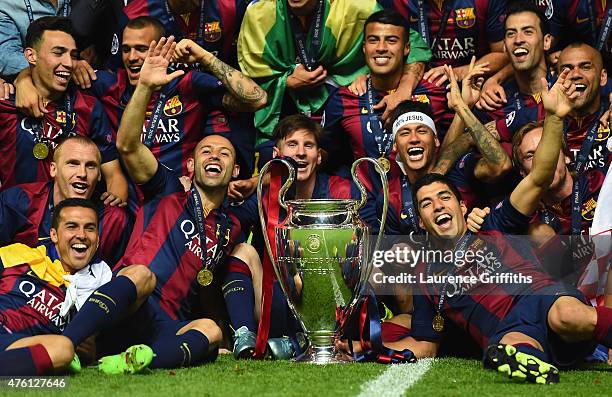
103 307
279 316
239 295
528 349
175 351
31 360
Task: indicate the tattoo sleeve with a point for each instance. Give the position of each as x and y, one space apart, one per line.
243 93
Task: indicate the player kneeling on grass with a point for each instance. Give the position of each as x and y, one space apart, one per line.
522 326
42 288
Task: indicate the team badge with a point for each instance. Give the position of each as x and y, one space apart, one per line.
212 31
173 106
588 209
115 44
60 116
421 98
313 243
602 134
465 17
510 118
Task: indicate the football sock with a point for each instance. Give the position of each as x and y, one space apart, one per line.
391 332
603 327
103 307
279 310
239 295
31 360
174 351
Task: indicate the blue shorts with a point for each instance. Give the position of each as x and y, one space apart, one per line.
7 338
530 317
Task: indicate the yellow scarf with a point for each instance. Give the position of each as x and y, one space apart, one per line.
47 270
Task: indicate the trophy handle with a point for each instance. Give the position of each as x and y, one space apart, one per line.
281 197
385 187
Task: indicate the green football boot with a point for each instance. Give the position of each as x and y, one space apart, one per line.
279 348
75 365
519 366
134 360
244 343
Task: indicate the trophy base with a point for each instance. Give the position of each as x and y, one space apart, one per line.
323 355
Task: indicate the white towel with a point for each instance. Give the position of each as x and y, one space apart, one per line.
83 283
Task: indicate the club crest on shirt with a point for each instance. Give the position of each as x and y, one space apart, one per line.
173 106
212 31
465 17
421 98
510 118
602 134
588 209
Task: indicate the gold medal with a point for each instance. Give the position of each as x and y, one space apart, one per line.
205 277
438 322
40 151
384 162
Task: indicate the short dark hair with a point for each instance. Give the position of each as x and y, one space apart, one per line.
520 6
146 21
578 44
518 137
41 25
388 17
295 122
430 178
69 203
408 106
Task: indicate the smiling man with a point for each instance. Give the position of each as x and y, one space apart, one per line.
26 210
28 143
524 324
183 237
37 302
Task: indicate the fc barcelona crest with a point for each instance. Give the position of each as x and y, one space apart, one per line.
588 209
173 106
603 133
465 17
421 98
212 31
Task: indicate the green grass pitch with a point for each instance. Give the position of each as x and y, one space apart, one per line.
228 377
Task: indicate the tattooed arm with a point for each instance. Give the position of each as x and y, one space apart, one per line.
243 94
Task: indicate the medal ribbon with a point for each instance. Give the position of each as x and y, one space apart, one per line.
604 31
154 120
382 138
408 204
208 261
423 25
65 130
308 56
581 161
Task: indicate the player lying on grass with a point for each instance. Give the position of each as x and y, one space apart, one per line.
40 288
522 327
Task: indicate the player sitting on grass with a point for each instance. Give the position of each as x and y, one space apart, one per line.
39 288
522 326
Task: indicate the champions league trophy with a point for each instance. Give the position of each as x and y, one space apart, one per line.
322 260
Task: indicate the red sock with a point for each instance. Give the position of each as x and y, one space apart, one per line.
24 361
391 332
603 331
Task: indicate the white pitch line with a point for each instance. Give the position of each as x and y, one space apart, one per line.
396 379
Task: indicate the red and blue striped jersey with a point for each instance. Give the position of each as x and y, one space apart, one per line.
220 25
18 134
25 217
182 123
472 25
478 308
29 305
166 239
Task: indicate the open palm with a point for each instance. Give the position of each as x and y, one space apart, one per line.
154 71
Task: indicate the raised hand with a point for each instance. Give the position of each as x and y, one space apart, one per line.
559 99
472 82
187 51
154 71
454 97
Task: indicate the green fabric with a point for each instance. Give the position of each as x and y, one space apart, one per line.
266 52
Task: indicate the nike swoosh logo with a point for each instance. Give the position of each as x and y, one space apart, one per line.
403 216
105 296
581 20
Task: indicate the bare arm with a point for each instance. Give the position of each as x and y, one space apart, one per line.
243 94
138 159
558 102
116 183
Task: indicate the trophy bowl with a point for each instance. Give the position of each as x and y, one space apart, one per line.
322 263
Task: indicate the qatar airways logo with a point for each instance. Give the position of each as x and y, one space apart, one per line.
454 48
44 302
194 243
167 131
49 131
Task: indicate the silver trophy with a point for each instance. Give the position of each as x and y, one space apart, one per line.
322 260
